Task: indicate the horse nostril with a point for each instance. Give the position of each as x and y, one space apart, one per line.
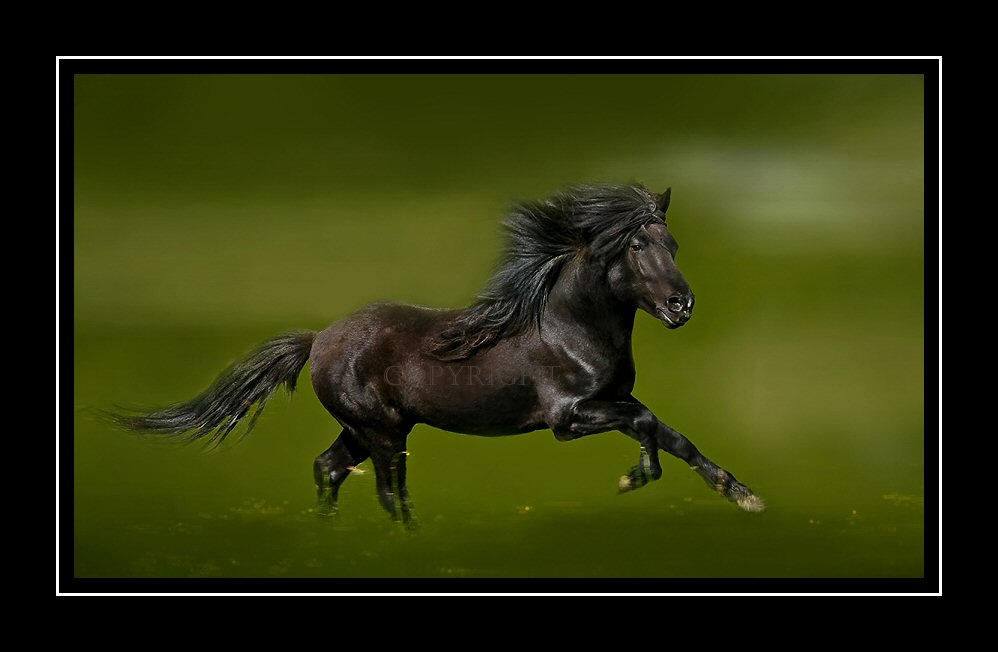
676 304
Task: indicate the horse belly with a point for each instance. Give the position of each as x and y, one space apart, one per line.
476 404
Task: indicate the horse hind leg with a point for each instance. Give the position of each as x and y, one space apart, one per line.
390 474
401 491
333 467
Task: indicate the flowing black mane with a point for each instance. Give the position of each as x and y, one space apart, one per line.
593 220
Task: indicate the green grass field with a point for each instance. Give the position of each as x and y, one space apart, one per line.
212 212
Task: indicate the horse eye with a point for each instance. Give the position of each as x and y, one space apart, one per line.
636 247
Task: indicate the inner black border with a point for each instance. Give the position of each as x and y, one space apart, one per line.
67 583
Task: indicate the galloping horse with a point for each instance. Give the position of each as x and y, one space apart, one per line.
547 344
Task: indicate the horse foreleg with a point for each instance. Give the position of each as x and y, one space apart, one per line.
722 481
638 422
593 417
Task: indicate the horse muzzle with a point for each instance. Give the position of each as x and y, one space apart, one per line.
676 311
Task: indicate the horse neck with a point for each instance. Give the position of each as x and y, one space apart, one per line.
581 297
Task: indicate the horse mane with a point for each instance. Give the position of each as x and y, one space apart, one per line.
541 236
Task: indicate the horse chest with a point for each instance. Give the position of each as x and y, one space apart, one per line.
592 370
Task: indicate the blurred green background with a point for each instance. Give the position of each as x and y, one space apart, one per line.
212 212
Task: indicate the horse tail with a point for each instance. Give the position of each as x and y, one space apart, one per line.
217 410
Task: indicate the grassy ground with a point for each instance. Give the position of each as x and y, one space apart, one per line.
212 212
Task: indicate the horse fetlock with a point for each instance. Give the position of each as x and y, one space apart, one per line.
649 468
722 481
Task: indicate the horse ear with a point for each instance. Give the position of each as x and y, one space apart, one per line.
663 199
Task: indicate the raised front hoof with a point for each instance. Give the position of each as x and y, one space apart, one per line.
751 503
638 477
646 471
625 484
736 492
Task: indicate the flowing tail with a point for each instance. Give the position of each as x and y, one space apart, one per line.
250 381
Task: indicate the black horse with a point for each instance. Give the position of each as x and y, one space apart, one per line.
546 345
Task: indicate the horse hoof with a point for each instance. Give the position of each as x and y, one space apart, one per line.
751 503
326 510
